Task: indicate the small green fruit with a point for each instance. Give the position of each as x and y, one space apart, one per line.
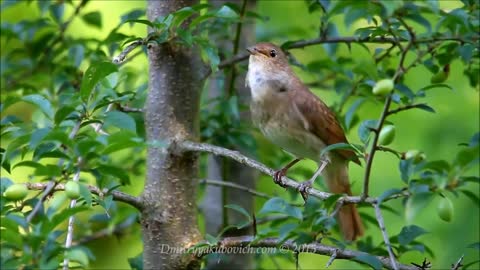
416 155
387 135
72 189
439 77
383 87
16 192
445 209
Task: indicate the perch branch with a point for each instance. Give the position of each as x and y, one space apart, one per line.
237 156
289 245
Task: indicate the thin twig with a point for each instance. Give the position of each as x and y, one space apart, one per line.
117 195
406 107
247 241
332 258
71 220
304 43
124 108
376 132
235 186
121 57
458 264
381 225
117 229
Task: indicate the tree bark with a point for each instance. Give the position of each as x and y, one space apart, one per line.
169 219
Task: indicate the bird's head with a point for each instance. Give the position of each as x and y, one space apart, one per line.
268 55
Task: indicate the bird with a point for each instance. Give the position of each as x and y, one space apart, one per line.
293 118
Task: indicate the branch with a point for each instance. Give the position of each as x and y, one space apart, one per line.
399 72
381 225
322 40
71 220
117 195
284 246
235 186
237 156
121 57
458 264
117 229
404 108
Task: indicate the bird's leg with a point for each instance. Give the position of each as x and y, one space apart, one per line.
277 175
304 186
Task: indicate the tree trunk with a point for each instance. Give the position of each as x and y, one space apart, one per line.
169 219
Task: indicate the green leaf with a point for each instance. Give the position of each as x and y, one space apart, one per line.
407 167
474 246
63 113
239 209
466 156
57 11
226 12
337 146
115 172
437 85
212 56
120 120
279 205
77 255
415 204
349 116
181 15
122 140
365 128
475 140
472 196
438 166
132 15
136 263
388 193
37 137
425 107
370 260
409 233
93 75
212 240
85 193
93 18
145 22
42 103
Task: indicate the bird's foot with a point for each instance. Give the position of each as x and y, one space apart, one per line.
277 177
303 189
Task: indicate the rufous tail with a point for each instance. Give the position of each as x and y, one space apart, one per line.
336 178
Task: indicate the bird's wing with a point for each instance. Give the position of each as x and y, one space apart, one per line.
320 120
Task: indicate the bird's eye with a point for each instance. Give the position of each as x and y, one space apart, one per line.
273 53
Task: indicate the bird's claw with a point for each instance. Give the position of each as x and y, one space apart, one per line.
277 177
303 189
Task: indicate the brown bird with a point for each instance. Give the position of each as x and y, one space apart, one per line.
295 119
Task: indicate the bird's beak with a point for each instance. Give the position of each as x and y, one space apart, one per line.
252 50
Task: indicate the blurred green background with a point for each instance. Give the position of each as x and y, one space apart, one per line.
438 135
